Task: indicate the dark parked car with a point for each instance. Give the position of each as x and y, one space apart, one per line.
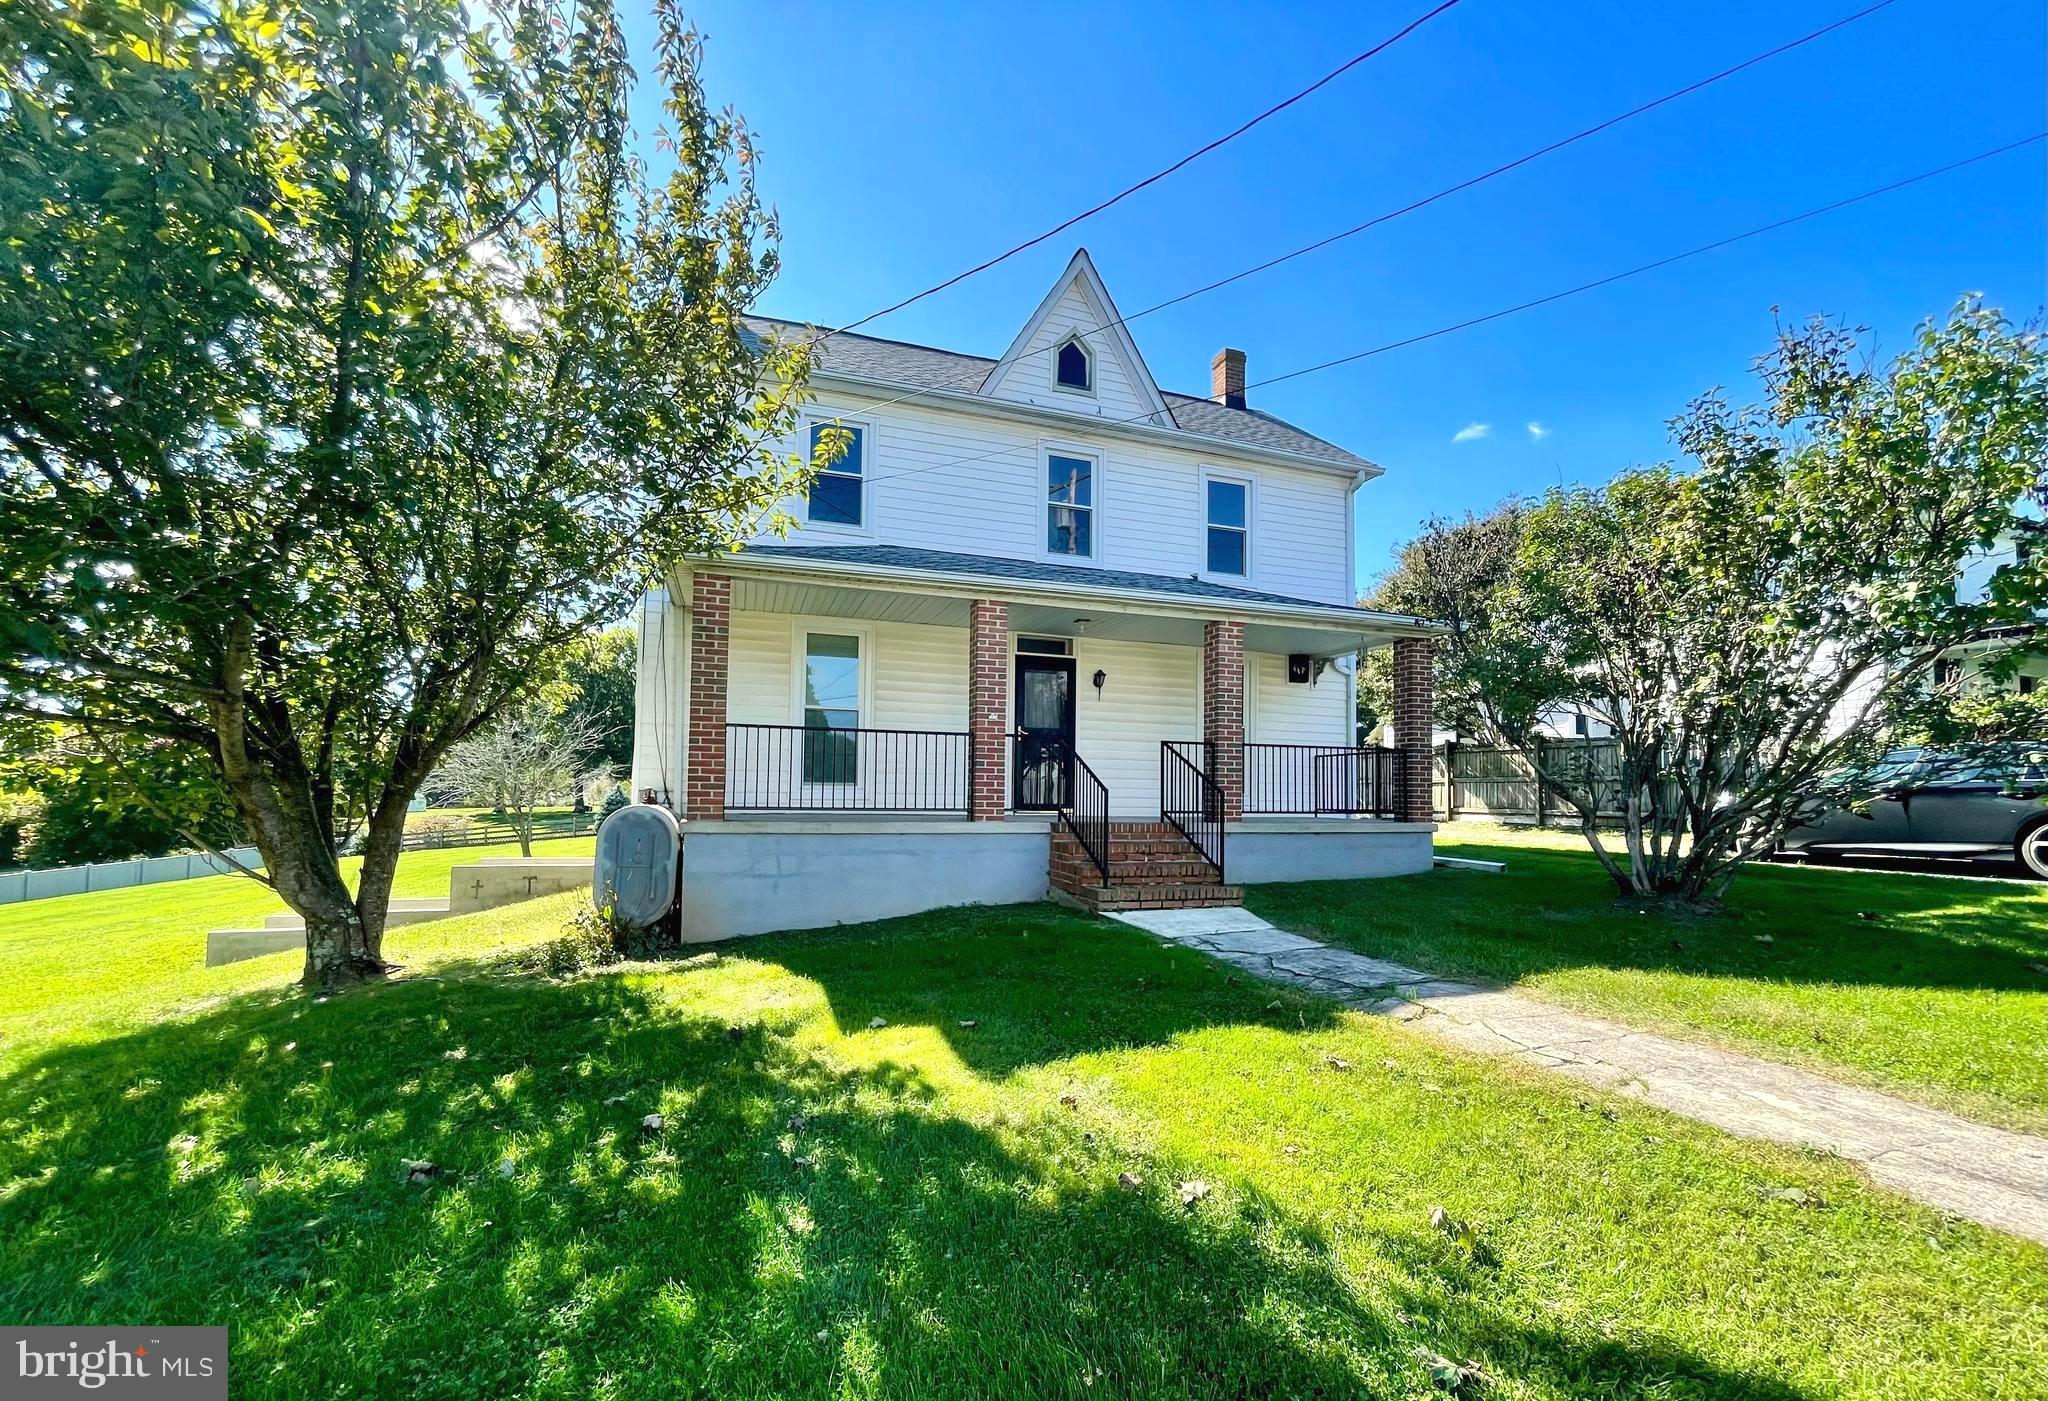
1944 806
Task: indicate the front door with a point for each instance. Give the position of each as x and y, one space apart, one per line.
1045 732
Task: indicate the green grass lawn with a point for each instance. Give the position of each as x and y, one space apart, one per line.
980 1197
1932 987
81 963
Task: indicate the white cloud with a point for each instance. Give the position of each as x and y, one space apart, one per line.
1471 431
1537 432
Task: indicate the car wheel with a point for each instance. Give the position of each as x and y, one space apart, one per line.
2032 849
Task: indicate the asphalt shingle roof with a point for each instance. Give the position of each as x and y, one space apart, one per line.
927 367
1036 571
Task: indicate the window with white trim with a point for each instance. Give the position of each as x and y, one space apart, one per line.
1069 505
1228 548
837 490
1073 367
831 752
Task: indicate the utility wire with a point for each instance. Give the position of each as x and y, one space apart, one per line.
1406 209
1152 179
1519 307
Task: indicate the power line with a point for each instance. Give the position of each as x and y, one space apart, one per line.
1149 180
1412 207
1583 287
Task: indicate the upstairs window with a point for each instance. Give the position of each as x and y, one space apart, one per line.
836 491
1074 368
1070 506
1229 545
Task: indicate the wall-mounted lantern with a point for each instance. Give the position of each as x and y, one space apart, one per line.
1101 679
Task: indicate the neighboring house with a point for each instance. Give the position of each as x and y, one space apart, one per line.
1041 622
1968 667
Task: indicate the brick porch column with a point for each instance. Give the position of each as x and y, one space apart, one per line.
1223 711
988 709
1414 696
710 640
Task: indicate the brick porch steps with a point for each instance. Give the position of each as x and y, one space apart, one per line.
1152 867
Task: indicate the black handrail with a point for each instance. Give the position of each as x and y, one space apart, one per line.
809 768
1191 802
1086 811
1324 779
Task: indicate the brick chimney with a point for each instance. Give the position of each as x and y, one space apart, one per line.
1226 378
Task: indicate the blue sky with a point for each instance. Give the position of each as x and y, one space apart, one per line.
903 143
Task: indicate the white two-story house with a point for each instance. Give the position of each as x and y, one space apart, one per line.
1042 626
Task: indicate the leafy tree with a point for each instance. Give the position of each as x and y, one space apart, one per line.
350 367
600 679
1758 629
114 797
529 756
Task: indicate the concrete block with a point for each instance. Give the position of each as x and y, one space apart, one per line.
234 945
485 885
1258 852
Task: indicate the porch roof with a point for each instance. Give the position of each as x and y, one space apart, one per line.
1307 625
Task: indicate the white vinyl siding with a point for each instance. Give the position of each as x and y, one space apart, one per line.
1285 712
1029 378
1153 693
944 479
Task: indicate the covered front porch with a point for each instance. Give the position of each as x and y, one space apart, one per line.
793 705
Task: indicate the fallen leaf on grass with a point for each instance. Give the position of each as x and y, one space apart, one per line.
1069 1102
1129 1181
970 1023
1458 1378
1337 1063
414 1171
877 1023
1193 1191
1794 1196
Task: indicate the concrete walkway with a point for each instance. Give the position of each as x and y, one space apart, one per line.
1992 1176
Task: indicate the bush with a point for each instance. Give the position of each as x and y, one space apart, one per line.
593 939
439 829
613 801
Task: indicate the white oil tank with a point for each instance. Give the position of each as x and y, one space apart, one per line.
639 857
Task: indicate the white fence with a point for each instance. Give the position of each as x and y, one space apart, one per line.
16 886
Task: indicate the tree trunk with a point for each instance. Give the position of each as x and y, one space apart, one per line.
383 841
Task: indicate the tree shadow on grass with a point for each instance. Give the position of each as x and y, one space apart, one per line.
795 1227
1554 910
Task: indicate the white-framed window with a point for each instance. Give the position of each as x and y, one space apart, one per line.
1227 525
838 495
1073 367
831 686
1071 499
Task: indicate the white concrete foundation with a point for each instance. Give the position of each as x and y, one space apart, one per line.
757 877
1263 850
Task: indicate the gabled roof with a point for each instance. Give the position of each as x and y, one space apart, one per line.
912 366
1081 268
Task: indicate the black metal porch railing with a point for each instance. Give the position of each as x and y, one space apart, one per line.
1191 802
1336 780
809 768
1086 812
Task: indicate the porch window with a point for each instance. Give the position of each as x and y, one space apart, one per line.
1229 526
1070 506
831 707
836 491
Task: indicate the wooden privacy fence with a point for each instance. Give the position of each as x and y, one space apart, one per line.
1470 780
